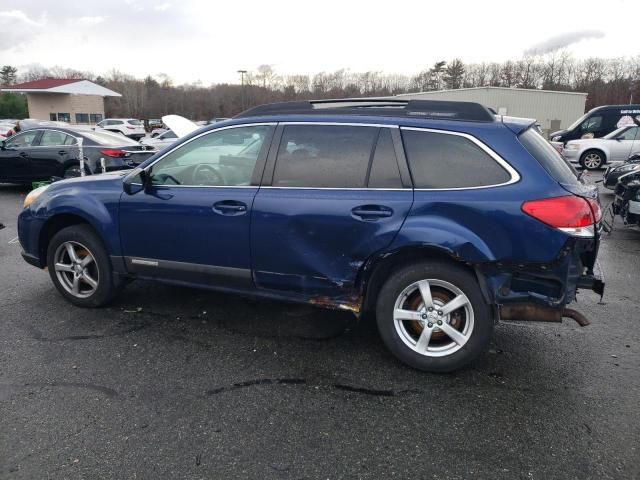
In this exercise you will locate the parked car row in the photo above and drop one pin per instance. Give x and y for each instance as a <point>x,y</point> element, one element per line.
<point>43,152</point>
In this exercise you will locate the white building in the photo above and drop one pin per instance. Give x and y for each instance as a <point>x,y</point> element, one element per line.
<point>553,110</point>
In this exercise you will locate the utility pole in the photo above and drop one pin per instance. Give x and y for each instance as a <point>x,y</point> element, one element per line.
<point>242,72</point>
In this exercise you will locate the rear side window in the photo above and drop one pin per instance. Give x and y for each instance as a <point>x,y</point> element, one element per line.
<point>324,156</point>
<point>443,161</point>
<point>561,170</point>
<point>134,122</point>
<point>384,169</point>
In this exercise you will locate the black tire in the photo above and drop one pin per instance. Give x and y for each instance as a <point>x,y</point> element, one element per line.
<point>84,236</point>
<point>588,158</point>
<point>72,171</point>
<point>476,315</point>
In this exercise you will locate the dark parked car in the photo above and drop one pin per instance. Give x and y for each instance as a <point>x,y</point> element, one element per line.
<point>45,152</point>
<point>612,174</point>
<point>437,217</point>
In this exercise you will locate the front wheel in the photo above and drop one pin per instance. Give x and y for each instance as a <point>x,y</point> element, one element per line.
<point>80,268</point>
<point>433,317</point>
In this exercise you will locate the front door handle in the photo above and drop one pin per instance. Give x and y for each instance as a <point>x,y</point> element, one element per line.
<point>24,154</point>
<point>230,207</point>
<point>371,212</point>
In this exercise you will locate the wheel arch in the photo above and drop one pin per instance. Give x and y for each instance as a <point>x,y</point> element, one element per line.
<point>52,226</point>
<point>601,150</point>
<point>378,269</point>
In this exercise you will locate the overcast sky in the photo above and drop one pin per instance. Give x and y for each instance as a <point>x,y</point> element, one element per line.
<point>209,41</point>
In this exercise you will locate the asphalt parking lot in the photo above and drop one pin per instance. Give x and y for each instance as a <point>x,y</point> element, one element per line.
<point>170,382</point>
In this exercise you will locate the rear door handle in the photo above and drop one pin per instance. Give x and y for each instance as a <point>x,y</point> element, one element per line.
<point>371,212</point>
<point>62,152</point>
<point>230,207</point>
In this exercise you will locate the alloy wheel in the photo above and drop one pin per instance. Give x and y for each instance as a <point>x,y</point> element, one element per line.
<point>592,161</point>
<point>433,318</point>
<point>76,269</point>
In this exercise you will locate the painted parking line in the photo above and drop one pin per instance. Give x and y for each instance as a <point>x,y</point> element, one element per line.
<point>13,240</point>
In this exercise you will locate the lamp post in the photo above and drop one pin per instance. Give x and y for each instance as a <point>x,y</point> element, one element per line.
<point>242,72</point>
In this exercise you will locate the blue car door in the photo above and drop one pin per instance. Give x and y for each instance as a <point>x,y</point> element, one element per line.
<point>192,222</point>
<point>333,196</point>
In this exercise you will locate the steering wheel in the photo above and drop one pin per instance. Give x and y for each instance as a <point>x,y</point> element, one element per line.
<point>205,174</point>
<point>165,176</point>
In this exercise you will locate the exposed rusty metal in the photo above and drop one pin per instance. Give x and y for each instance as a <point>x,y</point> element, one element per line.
<point>530,312</point>
<point>538,313</point>
<point>577,316</point>
<point>352,304</point>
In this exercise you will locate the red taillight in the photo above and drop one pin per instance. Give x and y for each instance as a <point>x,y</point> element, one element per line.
<point>573,215</point>
<point>112,152</point>
<point>595,209</point>
<point>131,128</point>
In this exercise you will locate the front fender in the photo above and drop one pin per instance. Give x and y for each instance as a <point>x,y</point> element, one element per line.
<point>99,209</point>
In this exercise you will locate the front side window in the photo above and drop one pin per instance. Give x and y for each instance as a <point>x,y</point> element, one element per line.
<point>591,124</point>
<point>224,157</point>
<point>22,140</point>
<point>51,138</point>
<point>446,161</point>
<point>324,156</point>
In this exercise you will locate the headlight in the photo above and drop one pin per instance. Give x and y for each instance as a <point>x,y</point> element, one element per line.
<point>572,146</point>
<point>33,194</point>
<point>556,138</point>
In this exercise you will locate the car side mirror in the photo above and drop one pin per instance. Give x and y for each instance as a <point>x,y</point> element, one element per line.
<point>135,182</point>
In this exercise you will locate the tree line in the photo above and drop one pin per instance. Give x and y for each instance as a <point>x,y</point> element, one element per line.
<point>605,80</point>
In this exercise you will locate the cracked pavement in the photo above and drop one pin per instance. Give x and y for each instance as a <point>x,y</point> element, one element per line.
<point>170,382</point>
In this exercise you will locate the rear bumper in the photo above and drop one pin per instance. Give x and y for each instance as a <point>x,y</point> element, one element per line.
<point>553,285</point>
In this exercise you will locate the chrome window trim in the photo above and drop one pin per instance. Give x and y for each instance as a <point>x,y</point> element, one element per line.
<point>515,176</point>
<point>44,130</point>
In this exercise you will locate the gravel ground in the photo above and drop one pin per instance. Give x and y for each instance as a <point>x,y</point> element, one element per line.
<point>177,383</point>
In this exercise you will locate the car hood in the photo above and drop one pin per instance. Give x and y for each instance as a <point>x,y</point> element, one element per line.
<point>180,125</point>
<point>589,142</point>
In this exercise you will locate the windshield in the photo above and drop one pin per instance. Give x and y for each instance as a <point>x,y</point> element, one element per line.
<point>577,122</point>
<point>103,138</point>
<point>616,132</point>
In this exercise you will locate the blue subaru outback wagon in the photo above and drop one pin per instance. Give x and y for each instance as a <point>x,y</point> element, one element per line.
<point>438,217</point>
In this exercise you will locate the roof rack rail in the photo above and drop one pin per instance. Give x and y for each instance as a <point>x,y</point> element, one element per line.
<point>388,107</point>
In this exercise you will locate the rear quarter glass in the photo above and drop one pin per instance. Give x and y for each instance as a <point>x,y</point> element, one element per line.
<point>540,149</point>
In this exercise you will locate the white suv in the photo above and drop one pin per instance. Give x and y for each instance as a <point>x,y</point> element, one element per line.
<point>129,127</point>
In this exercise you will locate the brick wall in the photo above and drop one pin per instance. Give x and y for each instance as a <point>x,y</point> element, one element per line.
<point>41,105</point>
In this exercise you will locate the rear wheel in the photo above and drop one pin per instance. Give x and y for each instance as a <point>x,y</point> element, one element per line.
<point>433,317</point>
<point>592,159</point>
<point>79,267</point>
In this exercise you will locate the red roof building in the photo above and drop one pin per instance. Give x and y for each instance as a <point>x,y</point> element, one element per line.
<point>76,101</point>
